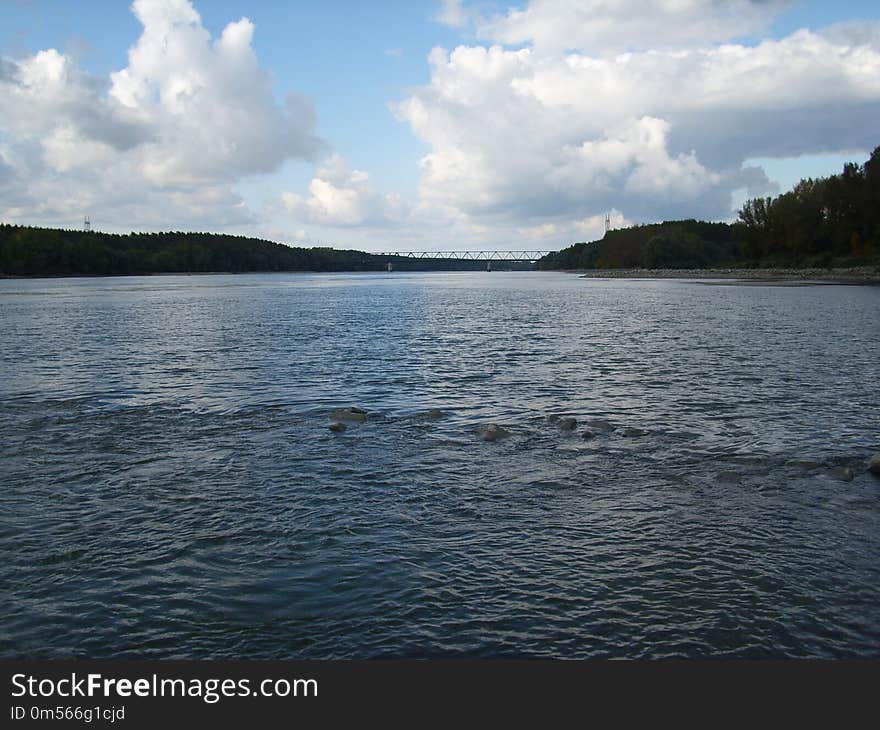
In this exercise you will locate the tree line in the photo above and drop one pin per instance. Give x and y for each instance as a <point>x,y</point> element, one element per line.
<point>831,221</point>
<point>32,251</point>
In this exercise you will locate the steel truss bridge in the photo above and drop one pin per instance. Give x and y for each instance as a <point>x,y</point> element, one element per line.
<point>469,255</point>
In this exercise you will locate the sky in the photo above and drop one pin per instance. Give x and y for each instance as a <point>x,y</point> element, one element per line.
<point>424,124</point>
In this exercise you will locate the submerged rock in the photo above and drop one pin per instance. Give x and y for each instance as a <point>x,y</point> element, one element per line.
<point>350,414</point>
<point>728,477</point>
<point>338,427</point>
<point>492,432</point>
<point>568,424</point>
<point>874,466</point>
<point>587,435</point>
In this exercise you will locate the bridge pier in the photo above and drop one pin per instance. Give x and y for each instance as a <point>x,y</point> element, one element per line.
<point>488,265</point>
<point>389,267</point>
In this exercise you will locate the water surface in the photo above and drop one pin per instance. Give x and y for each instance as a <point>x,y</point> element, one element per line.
<point>170,487</point>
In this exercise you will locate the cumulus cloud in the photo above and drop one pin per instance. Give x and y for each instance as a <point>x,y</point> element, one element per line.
<point>340,196</point>
<point>163,141</point>
<point>46,97</point>
<point>599,27</point>
<point>541,135</point>
<point>210,102</point>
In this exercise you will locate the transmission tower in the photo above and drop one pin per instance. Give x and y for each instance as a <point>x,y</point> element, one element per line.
<point>607,222</point>
<point>87,224</point>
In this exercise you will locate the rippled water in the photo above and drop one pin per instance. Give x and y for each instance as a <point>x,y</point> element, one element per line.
<point>170,487</point>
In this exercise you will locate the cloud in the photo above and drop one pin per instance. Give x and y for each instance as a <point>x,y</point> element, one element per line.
<point>339,196</point>
<point>540,135</point>
<point>46,94</point>
<point>160,143</point>
<point>452,14</point>
<point>210,102</point>
<point>537,232</point>
<point>599,27</point>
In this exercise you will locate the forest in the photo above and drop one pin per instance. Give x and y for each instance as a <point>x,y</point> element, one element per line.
<point>31,251</point>
<point>824,222</point>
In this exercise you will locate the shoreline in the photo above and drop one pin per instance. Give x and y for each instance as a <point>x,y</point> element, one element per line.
<point>854,275</point>
<point>869,275</point>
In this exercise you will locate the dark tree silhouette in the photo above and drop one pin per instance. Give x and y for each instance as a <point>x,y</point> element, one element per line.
<point>30,251</point>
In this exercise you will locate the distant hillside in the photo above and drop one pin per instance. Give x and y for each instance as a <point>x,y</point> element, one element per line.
<point>833,221</point>
<point>31,251</point>
<point>686,244</point>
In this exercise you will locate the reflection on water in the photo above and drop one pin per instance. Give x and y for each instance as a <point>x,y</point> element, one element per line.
<point>171,487</point>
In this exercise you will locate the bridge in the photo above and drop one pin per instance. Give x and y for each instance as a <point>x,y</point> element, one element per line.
<point>470,255</point>
<point>487,256</point>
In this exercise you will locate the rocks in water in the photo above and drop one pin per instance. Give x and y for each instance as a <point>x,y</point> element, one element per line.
<point>587,435</point>
<point>874,466</point>
<point>350,414</point>
<point>492,432</point>
<point>338,427</point>
<point>565,423</point>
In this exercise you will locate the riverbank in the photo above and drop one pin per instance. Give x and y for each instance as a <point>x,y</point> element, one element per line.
<point>854,275</point>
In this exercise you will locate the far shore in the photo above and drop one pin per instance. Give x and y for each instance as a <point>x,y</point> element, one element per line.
<point>855,275</point>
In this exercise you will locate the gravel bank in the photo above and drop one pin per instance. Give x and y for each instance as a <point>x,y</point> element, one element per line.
<point>858,275</point>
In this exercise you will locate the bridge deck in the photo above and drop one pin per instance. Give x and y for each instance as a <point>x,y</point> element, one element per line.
<point>470,255</point>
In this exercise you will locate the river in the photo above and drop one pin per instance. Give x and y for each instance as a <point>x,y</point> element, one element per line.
<point>171,489</point>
